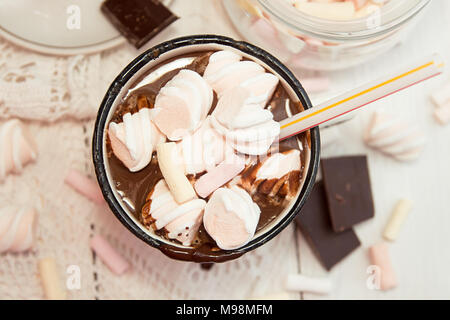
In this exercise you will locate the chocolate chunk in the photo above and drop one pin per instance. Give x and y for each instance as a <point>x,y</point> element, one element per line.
<point>138,20</point>
<point>314,223</point>
<point>347,186</point>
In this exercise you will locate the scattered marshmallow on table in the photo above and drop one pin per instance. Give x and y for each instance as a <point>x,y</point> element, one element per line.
<point>85,186</point>
<point>394,137</point>
<point>442,114</point>
<point>173,172</point>
<point>50,279</point>
<point>398,216</point>
<point>217,177</point>
<point>112,259</point>
<point>134,139</point>
<point>231,217</point>
<point>442,96</point>
<point>17,228</point>
<point>379,256</point>
<point>441,99</point>
<point>301,283</point>
<point>17,148</point>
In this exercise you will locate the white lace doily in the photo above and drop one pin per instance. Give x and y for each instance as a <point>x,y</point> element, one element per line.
<point>39,87</point>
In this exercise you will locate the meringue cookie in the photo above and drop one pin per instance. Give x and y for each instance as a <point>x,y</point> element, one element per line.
<point>226,71</point>
<point>277,175</point>
<point>17,228</point>
<point>248,128</point>
<point>180,221</point>
<point>204,149</point>
<point>231,217</point>
<point>17,148</point>
<point>394,137</point>
<point>134,140</point>
<point>182,104</point>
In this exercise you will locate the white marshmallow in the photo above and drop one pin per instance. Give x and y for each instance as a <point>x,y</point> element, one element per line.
<point>17,227</point>
<point>231,217</point>
<point>398,217</point>
<point>249,128</point>
<point>182,104</point>
<point>394,137</point>
<point>278,165</point>
<point>204,149</point>
<point>180,221</point>
<point>133,140</point>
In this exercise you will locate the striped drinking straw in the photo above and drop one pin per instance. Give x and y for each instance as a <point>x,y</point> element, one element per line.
<point>361,96</point>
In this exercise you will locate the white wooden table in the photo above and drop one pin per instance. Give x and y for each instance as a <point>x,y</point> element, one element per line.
<point>420,256</point>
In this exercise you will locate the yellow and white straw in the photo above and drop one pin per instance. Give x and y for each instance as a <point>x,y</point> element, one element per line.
<point>405,77</point>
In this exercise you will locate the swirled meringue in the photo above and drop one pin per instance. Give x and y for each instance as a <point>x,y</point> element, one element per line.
<point>204,149</point>
<point>181,221</point>
<point>16,229</point>
<point>182,104</point>
<point>248,128</point>
<point>134,139</point>
<point>394,137</point>
<point>231,217</point>
<point>17,148</point>
<point>226,71</point>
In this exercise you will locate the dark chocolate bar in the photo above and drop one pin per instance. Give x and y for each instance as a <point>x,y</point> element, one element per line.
<point>314,222</point>
<point>138,20</point>
<point>347,187</point>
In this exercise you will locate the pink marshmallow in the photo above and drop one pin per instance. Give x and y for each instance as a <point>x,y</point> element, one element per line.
<point>379,256</point>
<point>315,84</point>
<point>113,260</point>
<point>84,186</point>
<point>218,176</point>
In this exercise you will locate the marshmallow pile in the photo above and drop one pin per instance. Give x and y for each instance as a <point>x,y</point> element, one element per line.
<point>199,151</point>
<point>17,148</point>
<point>338,9</point>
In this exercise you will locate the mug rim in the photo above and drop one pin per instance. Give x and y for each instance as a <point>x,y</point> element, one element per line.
<point>140,62</point>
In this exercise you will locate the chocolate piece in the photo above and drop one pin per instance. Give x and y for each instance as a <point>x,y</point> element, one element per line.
<point>138,20</point>
<point>314,223</point>
<point>347,186</point>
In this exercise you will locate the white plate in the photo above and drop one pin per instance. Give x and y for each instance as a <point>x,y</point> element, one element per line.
<point>50,26</point>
